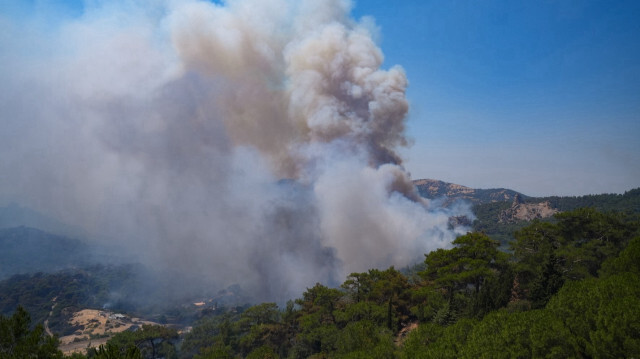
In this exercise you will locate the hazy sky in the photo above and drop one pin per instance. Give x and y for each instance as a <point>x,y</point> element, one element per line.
<point>539,96</point>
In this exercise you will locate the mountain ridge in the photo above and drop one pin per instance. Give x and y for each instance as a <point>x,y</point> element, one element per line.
<point>501,212</point>
<point>433,189</point>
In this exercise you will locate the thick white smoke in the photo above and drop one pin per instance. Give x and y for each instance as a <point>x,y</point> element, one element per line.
<point>252,141</point>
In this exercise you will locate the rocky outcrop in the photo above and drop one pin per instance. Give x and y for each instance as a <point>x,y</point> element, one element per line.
<point>432,189</point>
<point>521,211</point>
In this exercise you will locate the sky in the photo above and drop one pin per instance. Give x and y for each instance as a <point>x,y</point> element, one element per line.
<point>542,97</point>
<point>538,96</point>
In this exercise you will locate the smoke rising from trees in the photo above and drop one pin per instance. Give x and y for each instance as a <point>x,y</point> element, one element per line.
<point>248,142</point>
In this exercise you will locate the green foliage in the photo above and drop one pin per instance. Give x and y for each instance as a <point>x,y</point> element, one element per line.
<point>472,260</point>
<point>17,340</point>
<point>259,327</point>
<point>217,351</point>
<point>496,291</point>
<point>420,342</point>
<point>518,335</point>
<point>487,221</point>
<point>362,311</point>
<point>474,275</point>
<point>560,331</point>
<point>628,202</point>
<point>152,341</point>
<point>112,351</point>
<point>532,246</point>
<point>364,339</point>
<point>487,214</point>
<point>207,332</point>
<point>573,248</point>
<point>256,327</point>
<point>627,261</point>
<point>548,282</point>
<point>602,314</point>
<point>261,314</point>
<point>426,302</point>
<point>589,237</point>
<point>591,317</point>
<point>263,352</point>
<point>451,340</point>
<point>380,289</point>
<point>317,331</point>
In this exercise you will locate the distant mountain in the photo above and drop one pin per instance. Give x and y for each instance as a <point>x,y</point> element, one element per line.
<point>505,198</point>
<point>15,215</point>
<point>29,250</point>
<point>433,189</point>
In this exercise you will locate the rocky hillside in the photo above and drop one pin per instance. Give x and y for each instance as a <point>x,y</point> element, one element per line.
<point>432,189</point>
<point>521,211</point>
<point>500,212</point>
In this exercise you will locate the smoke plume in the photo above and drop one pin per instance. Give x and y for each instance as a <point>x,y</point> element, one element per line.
<point>248,142</point>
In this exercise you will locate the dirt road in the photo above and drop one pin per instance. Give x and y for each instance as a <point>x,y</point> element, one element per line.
<point>46,322</point>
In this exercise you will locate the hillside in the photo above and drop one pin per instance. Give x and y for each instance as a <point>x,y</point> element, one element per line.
<point>432,189</point>
<point>15,215</point>
<point>501,212</point>
<point>503,198</point>
<point>521,211</point>
<point>555,299</point>
<point>127,288</point>
<point>30,250</point>
<point>573,279</point>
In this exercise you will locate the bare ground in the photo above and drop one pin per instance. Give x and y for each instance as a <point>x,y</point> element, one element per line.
<point>99,324</point>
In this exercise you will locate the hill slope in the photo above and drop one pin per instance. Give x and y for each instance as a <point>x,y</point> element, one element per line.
<point>29,250</point>
<point>15,215</point>
<point>500,212</point>
<point>432,189</point>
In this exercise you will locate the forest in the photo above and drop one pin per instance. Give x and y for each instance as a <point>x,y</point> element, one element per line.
<point>569,287</point>
<point>487,212</point>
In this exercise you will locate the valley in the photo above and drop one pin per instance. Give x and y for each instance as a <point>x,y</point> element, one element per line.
<point>70,298</point>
